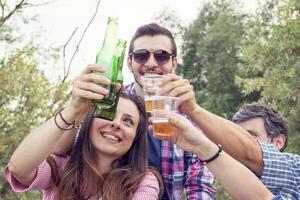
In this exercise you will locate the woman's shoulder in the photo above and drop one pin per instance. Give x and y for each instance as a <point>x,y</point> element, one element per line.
<point>149,187</point>
<point>153,178</point>
<point>150,176</point>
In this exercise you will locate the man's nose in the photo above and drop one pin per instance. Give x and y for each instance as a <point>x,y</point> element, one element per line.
<point>151,62</point>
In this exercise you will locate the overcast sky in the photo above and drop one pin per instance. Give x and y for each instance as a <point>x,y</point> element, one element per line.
<point>59,18</point>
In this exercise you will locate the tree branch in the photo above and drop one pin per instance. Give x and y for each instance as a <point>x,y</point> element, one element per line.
<point>41,4</point>
<point>19,6</point>
<point>78,44</point>
<point>64,50</point>
<point>2,4</point>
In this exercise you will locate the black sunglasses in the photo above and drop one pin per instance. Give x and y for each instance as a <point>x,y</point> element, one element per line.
<point>141,56</point>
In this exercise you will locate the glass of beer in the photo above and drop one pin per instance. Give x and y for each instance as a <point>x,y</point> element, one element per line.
<point>161,126</point>
<point>151,86</point>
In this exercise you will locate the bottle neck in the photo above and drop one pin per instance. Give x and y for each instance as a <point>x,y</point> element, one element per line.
<point>108,47</point>
<point>110,36</point>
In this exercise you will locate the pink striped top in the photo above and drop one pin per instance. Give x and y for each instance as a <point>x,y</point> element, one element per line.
<point>148,188</point>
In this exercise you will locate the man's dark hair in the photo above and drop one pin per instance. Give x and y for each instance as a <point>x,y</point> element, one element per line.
<point>153,29</point>
<point>273,122</point>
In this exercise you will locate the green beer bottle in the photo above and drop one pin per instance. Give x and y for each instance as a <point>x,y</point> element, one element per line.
<point>121,60</point>
<point>104,58</point>
<point>118,59</point>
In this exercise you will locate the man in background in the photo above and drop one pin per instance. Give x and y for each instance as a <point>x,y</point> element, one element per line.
<point>257,140</point>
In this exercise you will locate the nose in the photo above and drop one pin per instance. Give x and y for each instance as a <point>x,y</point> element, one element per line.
<point>151,62</point>
<point>115,125</point>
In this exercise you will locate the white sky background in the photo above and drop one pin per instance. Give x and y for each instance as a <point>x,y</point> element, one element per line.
<point>58,19</point>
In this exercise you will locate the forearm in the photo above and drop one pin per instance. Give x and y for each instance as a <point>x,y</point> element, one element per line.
<point>65,142</point>
<point>67,139</point>
<point>37,145</point>
<point>235,140</point>
<point>232,174</point>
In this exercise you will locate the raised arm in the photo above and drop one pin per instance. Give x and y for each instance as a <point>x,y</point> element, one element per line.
<point>237,142</point>
<point>38,144</point>
<point>65,143</point>
<point>228,171</point>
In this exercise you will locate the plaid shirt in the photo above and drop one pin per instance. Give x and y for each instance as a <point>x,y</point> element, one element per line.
<point>281,172</point>
<point>182,170</point>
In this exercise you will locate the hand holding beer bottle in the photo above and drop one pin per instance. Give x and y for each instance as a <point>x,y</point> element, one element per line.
<point>110,57</point>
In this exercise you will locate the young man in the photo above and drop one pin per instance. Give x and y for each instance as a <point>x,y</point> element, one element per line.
<point>153,50</point>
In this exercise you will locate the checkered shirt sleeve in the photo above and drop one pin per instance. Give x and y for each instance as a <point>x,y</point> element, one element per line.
<point>281,173</point>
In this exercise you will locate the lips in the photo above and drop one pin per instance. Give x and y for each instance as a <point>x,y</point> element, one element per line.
<point>111,137</point>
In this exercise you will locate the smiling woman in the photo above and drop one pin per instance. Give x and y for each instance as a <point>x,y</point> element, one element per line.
<point>108,161</point>
<point>111,150</point>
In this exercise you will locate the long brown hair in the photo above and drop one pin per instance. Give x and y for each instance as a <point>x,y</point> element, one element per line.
<point>127,171</point>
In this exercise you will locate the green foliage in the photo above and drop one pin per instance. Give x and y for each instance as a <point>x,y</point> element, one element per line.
<point>27,97</point>
<point>272,64</point>
<point>221,193</point>
<point>210,56</point>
